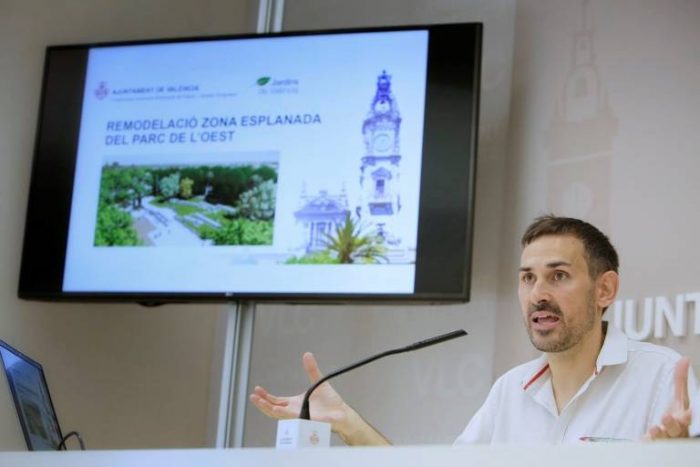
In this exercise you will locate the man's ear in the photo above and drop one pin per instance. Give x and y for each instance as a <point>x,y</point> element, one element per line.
<point>607,286</point>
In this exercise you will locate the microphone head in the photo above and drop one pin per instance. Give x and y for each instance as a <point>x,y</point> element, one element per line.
<point>437,339</point>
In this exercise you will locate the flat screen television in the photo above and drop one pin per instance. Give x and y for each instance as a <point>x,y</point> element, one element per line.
<point>332,165</point>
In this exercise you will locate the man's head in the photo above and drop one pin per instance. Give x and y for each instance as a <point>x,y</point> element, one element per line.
<point>600,254</point>
<point>568,278</point>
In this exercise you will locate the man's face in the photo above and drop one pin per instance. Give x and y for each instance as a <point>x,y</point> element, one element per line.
<point>557,295</point>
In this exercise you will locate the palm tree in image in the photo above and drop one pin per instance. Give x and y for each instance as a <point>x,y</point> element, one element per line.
<point>351,245</point>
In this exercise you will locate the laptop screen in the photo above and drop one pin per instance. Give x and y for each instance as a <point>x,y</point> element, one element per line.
<point>32,400</point>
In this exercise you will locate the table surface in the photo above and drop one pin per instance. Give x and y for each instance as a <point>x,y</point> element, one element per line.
<point>670,453</point>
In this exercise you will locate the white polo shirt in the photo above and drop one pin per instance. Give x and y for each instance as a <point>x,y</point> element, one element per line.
<point>630,390</point>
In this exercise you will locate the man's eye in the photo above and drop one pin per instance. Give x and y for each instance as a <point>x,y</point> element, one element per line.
<point>527,278</point>
<point>560,275</point>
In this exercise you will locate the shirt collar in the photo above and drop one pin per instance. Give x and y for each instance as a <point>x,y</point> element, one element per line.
<point>613,352</point>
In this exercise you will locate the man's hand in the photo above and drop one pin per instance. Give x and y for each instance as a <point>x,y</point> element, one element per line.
<point>325,405</point>
<point>676,420</point>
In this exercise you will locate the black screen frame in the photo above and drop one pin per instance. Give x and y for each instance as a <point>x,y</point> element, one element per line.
<point>445,227</point>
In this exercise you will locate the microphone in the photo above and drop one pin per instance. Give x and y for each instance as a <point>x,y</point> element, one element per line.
<point>305,413</point>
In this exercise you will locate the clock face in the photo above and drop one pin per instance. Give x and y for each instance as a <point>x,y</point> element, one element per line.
<point>381,142</point>
<point>382,106</point>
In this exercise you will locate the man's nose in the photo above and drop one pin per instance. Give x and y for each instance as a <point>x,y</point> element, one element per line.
<point>541,292</point>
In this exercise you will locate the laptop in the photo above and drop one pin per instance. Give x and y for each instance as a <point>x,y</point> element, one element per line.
<point>32,400</point>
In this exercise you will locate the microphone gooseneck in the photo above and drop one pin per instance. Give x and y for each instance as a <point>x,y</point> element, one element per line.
<point>305,412</point>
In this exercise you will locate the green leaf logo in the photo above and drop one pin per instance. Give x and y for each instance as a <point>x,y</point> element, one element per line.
<point>262,81</point>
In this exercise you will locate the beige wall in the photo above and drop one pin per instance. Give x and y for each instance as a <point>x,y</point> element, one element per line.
<point>123,375</point>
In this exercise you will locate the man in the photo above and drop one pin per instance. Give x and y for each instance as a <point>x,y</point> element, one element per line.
<point>591,383</point>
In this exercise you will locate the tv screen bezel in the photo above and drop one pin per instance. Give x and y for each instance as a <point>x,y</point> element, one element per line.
<point>449,132</point>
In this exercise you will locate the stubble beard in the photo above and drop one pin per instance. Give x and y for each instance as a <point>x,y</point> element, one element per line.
<point>570,336</point>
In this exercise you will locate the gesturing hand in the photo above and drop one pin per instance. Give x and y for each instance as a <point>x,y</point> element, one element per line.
<point>325,403</point>
<point>675,422</point>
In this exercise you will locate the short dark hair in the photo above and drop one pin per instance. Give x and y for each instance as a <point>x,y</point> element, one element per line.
<point>600,254</point>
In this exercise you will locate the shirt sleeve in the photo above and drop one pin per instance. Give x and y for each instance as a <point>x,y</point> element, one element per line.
<point>480,428</point>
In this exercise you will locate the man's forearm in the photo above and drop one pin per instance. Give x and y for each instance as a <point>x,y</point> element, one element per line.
<point>355,431</point>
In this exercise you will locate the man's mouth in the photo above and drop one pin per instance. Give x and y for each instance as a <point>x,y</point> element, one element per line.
<point>544,320</point>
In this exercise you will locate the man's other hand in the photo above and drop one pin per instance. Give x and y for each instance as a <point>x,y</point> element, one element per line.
<point>676,420</point>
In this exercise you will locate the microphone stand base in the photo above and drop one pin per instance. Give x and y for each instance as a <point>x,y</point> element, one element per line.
<point>297,434</point>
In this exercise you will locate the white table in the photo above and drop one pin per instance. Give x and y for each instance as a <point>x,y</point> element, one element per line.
<point>659,454</point>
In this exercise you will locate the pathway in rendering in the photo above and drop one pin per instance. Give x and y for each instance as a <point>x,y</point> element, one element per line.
<point>165,230</point>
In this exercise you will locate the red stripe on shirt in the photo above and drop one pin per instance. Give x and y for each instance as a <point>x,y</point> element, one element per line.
<point>536,377</point>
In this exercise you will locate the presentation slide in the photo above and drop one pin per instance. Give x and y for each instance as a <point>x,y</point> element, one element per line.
<point>261,165</point>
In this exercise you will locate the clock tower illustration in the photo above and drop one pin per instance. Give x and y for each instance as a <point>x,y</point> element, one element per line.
<point>380,176</point>
<point>377,191</point>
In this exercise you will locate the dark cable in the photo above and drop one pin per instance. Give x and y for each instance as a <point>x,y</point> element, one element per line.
<point>62,444</point>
